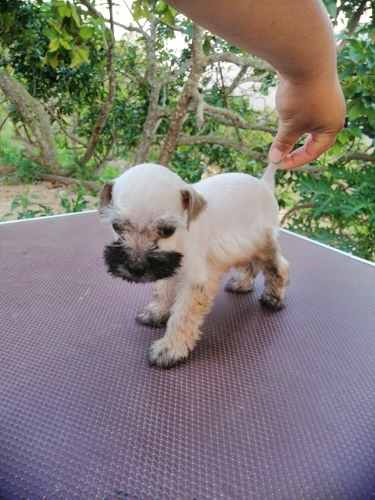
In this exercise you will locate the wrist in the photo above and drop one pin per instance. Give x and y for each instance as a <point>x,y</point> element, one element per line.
<point>311,77</point>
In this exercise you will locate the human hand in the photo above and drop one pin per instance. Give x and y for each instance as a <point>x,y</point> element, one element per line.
<point>316,107</point>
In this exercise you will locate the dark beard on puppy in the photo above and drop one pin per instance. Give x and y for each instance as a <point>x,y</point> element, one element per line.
<point>156,265</point>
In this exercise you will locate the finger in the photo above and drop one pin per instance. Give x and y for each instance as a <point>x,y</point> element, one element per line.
<point>283,143</point>
<point>315,145</point>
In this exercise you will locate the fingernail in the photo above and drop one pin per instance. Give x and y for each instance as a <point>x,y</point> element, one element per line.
<point>275,156</point>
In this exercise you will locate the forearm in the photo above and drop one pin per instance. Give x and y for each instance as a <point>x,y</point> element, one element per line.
<point>295,36</point>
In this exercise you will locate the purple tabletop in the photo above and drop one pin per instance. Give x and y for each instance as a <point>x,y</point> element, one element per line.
<point>270,405</point>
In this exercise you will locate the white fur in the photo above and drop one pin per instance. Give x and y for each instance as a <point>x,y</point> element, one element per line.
<point>240,218</point>
<point>239,210</point>
<point>144,192</point>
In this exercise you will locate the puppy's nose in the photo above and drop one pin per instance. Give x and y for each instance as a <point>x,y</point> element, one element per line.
<point>137,269</point>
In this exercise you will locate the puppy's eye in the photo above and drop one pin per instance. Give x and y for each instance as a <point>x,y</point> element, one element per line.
<point>166,231</point>
<point>117,227</point>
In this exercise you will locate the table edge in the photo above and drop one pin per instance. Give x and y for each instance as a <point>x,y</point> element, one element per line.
<point>286,231</point>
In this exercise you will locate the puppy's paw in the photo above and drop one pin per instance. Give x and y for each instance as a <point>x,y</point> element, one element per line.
<point>237,285</point>
<point>271,301</point>
<point>152,317</point>
<point>166,354</point>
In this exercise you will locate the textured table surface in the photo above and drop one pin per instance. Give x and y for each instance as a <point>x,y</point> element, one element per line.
<point>270,406</point>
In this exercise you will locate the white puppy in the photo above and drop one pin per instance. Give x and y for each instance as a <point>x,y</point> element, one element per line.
<point>184,238</point>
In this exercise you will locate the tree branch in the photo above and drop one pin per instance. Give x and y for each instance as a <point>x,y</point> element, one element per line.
<point>34,116</point>
<point>124,26</point>
<point>296,208</point>
<point>353,23</point>
<point>91,9</point>
<point>107,105</point>
<point>229,117</point>
<point>237,79</point>
<point>185,139</point>
<point>152,118</point>
<point>95,13</point>
<point>60,120</point>
<point>69,181</point>
<point>225,99</point>
<point>200,105</point>
<point>150,40</point>
<point>198,65</point>
<point>174,28</point>
<point>240,60</point>
<point>140,27</point>
<point>7,169</point>
<point>154,111</point>
<point>5,120</point>
<point>357,156</point>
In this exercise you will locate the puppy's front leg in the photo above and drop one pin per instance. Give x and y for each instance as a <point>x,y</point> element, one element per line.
<point>157,312</point>
<point>193,302</point>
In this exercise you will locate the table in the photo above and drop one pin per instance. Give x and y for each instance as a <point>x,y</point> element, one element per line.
<point>270,406</point>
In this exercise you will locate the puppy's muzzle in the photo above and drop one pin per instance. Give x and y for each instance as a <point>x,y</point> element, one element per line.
<point>153,266</point>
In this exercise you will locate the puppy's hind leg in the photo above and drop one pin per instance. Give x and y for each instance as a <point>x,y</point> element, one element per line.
<point>242,280</point>
<point>157,312</point>
<point>193,302</point>
<point>276,271</point>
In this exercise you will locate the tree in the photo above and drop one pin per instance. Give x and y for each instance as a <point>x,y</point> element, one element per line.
<point>336,197</point>
<point>79,98</point>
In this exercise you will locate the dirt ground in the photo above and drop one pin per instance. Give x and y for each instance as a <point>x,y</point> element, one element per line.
<point>45,193</point>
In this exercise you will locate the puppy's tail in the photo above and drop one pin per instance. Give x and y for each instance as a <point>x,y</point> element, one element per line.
<point>269,176</point>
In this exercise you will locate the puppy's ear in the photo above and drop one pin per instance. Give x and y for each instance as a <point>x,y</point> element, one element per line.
<point>105,198</point>
<point>193,203</point>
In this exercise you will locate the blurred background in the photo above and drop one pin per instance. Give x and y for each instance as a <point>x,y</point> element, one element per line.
<point>88,89</point>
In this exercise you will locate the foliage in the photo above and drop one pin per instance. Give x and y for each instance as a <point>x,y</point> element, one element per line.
<point>343,212</point>
<point>142,9</point>
<point>109,173</point>
<point>26,207</point>
<point>76,204</point>
<point>59,51</point>
<point>11,155</point>
<point>357,71</point>
<point>341,192</point>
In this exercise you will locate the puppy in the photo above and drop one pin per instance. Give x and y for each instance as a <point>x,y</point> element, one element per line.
<point>184,238</point>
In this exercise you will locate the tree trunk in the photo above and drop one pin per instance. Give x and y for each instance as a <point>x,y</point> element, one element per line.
<point>35,117</point>
<point>149,126</point>
<point>198,64</point>
<point>107,105</point>
<point>353,23</point>
<point>152,76</point>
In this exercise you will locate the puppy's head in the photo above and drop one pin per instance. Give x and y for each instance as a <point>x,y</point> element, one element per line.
<point>150,209</point>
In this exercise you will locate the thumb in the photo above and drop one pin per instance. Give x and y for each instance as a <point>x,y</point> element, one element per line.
<point>283,143</point>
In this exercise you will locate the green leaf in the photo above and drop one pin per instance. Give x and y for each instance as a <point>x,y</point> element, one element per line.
<point>79,55</point>
<point>53,60</point>
<point>356,110</point>
<point>75,16</point>
<point>207,45</point>
<point>331,7</point>
<point>86,32</point>
<point>64,43</point>
<point>46,209</point>
<point>6,21</point>
<point>64,10</point>
<point>140,10</point>
<point>168,16</point>
<point>65,203</point>
<point>15,204</point>
<point>54,45</point>
<point>55,26</point>
<point>161,7</point>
